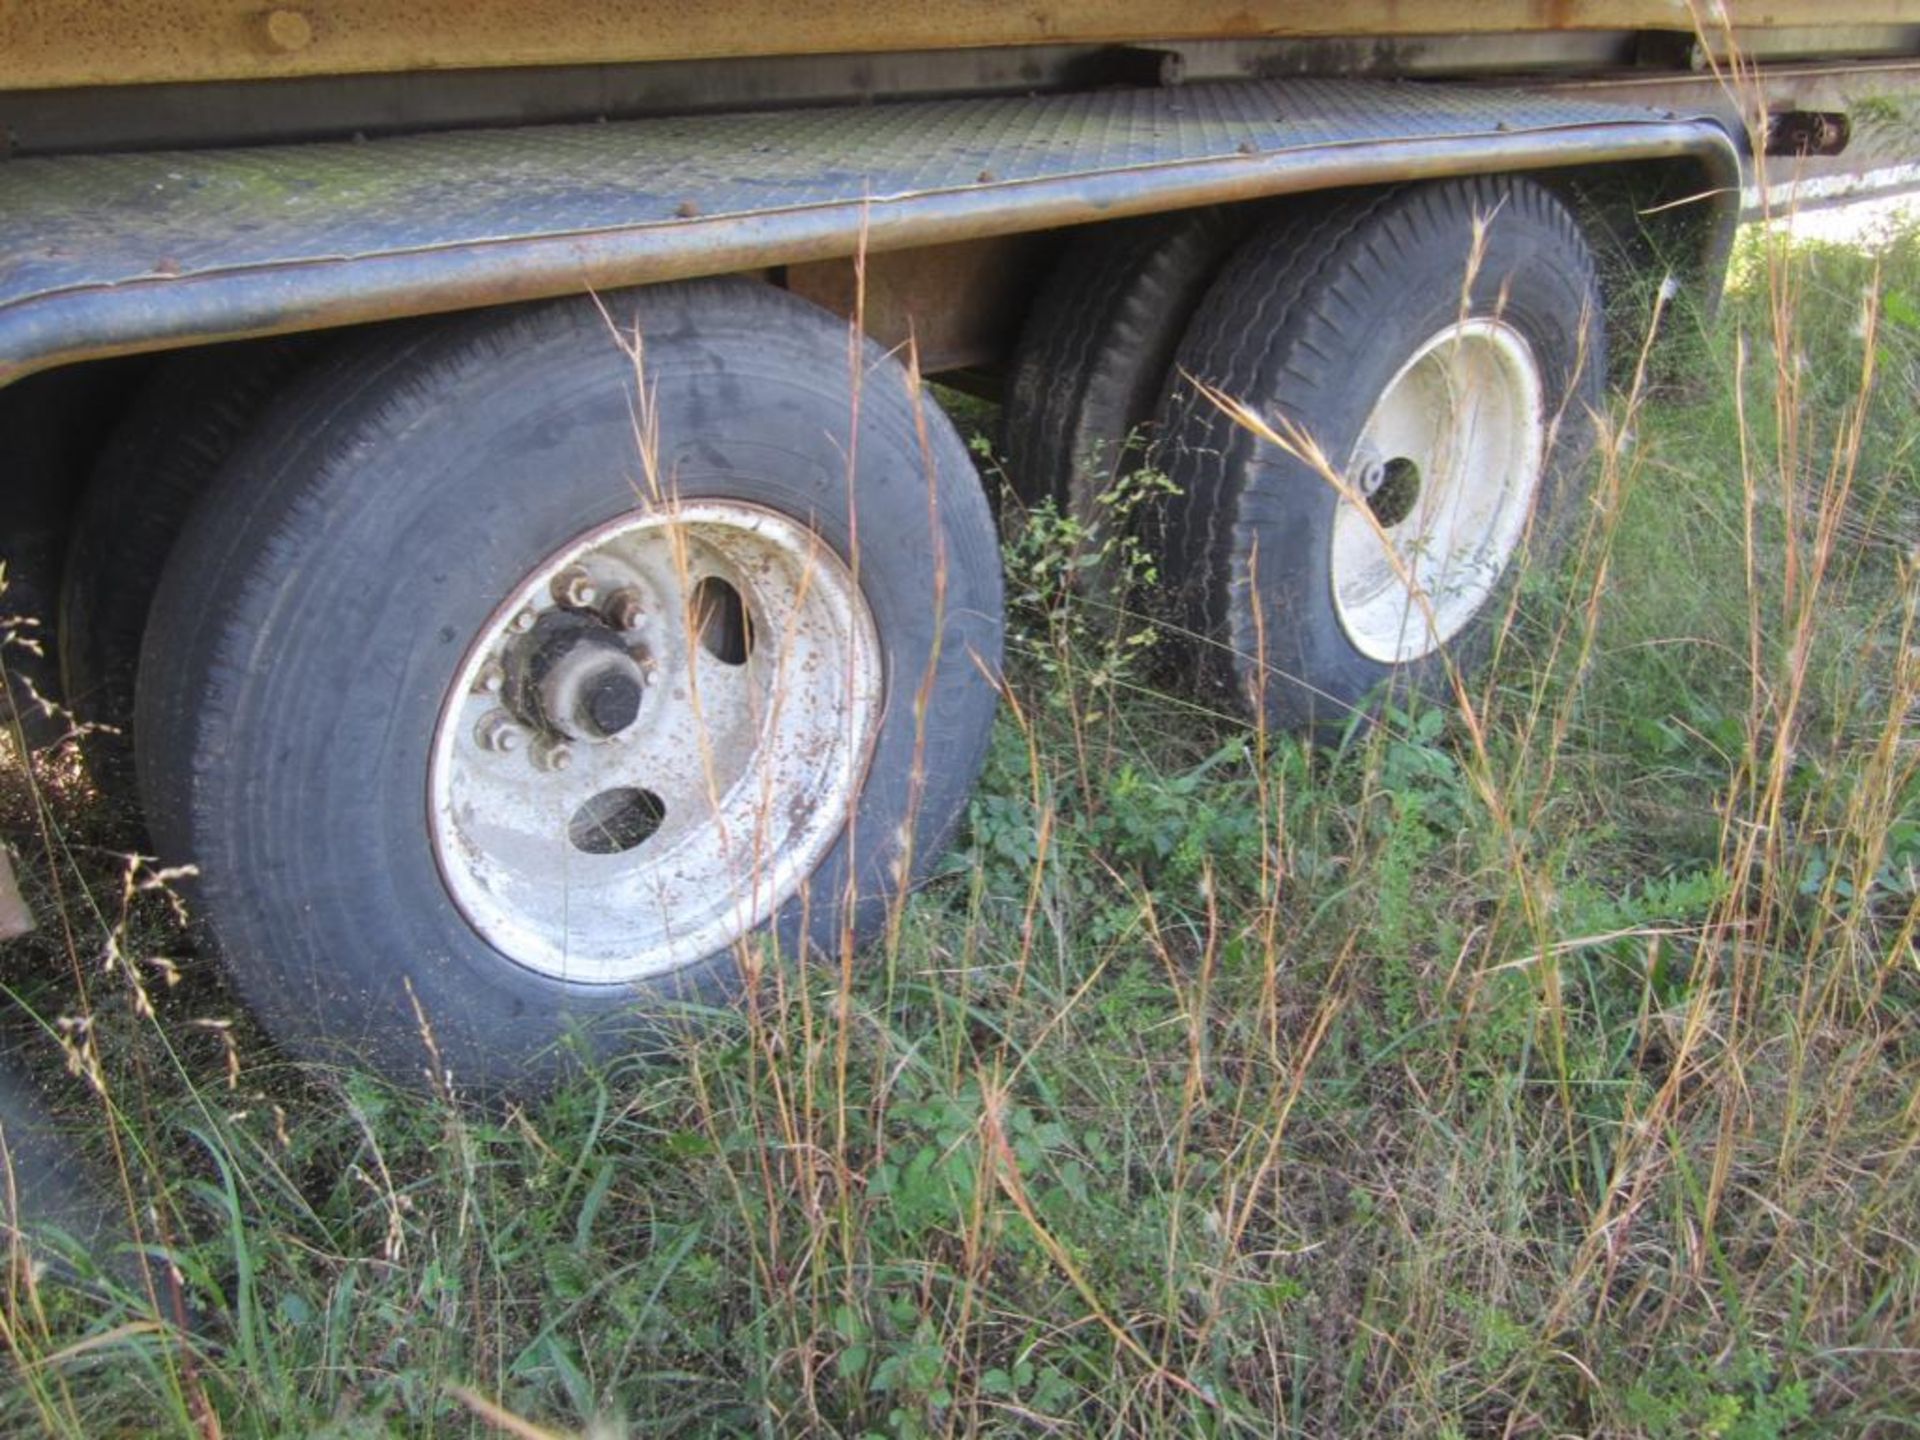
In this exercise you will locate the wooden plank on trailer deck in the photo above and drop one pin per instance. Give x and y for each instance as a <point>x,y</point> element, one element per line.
<point>49,43</point>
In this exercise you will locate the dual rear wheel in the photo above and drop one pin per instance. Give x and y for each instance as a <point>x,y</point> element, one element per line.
<point>501,682</point>
<point>1415,373</point>
<point>520,679</point>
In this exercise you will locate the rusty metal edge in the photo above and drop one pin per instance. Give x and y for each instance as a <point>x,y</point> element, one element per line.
<point>81,42</point>
<point>156,313</point>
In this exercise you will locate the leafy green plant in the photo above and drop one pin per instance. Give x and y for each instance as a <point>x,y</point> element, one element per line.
<point>1540,1065</point>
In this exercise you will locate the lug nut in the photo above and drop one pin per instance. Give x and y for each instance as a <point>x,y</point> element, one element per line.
<point>574,587</point>
<point>625,609</point>
<point>492,678</point>
<point>554,755</point>
<point>524,621</point>
<point>497,732</point>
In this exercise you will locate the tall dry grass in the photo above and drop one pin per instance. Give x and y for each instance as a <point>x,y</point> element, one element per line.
<point>1542,1064</point>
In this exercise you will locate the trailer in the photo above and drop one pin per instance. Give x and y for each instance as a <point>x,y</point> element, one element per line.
<point>474,459</point>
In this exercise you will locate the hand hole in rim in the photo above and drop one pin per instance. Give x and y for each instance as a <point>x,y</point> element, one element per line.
<point>720,619</point>
<point>1393,498</point>
<point>617,820</point>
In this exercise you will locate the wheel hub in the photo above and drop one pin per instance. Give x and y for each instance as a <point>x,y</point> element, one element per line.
<point>577,677</point>
<point>1445,474</point>
<point>654,741</point>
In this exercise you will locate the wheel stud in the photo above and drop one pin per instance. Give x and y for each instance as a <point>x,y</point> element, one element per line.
<point>625,609</point>
<point>574,587</point>
<point>498,732</point>
<point>554,755</point>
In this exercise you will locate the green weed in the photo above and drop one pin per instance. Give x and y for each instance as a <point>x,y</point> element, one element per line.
<point>1546,1065</point>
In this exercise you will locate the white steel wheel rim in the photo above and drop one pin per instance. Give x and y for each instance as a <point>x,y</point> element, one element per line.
<point>611,858</point>
<point>1440,487</point>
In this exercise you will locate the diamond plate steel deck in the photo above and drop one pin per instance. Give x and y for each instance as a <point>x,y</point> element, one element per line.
<point>114,253</point>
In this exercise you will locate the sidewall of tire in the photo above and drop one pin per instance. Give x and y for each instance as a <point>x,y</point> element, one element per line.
<point>1093,356</point>
<point>162,454</point>
<point>352,565</point>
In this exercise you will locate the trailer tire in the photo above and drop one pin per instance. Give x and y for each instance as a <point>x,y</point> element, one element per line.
<point>1465,426</point>
<point>162,455</point>
<point>322,730</point>
<point>1092,359</point>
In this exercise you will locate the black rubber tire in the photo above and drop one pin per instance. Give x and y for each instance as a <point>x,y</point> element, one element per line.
<point>1309,322</point>
<point>321,598</point>
<point>1092,361</point>
<point>50,436</point>
<point>160,458</point>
